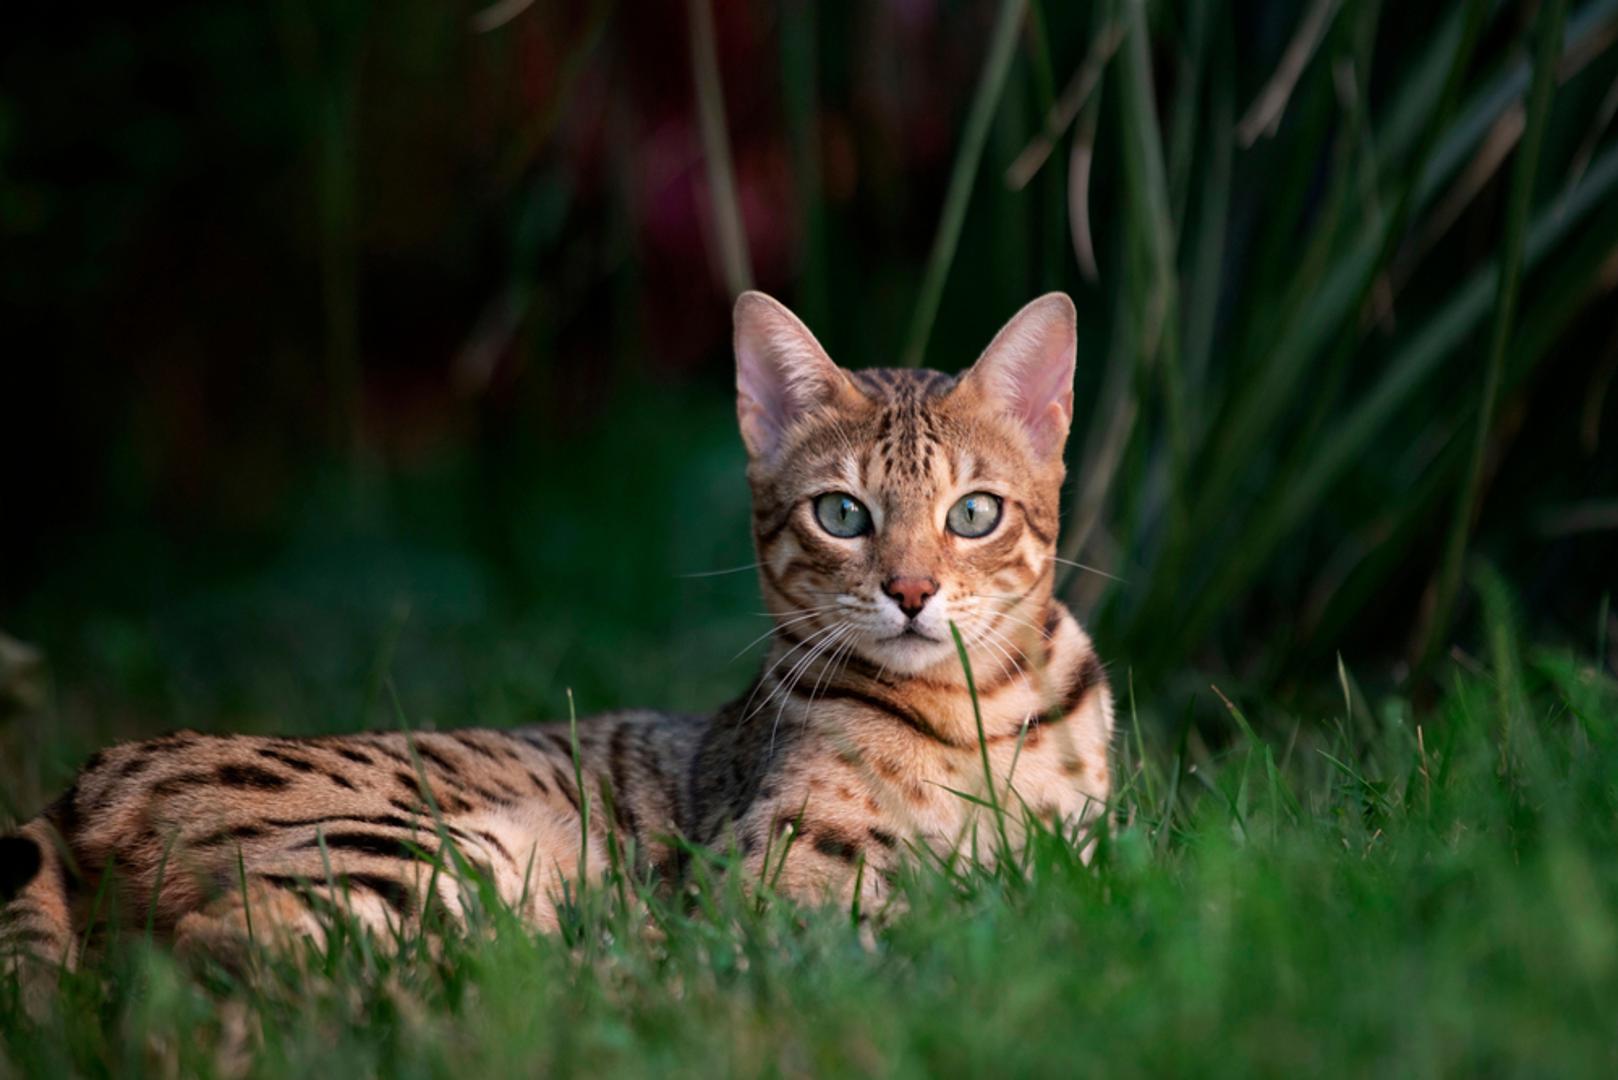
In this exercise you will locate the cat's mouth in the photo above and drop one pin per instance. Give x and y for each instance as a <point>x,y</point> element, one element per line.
<point>910,633</point>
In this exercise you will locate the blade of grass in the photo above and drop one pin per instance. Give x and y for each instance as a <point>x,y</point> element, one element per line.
<point>1405,117</point>
<point>1232,807</point>
<point>1147,773</point>
<point>1187,109</point>
<point>157,883</point>
<point>1291,167</point>
<point>1059,116</point>
<point>584,793</point>
<point>983,742</point>
<point>1080,163</point>
<point>1112,424</point>
<point>791,832</point>
<point>247,897</point>
<point>1009,215</point>
<point>1052,225</point>
<point>1264,116</point>
<point>1351,73</point>
<point>799,57</point>
<point>1171,802</point>
<point>1366,786</point>
<point>1551,17</point>
<point>733,255</point>
<point>498,14</point>
<point>1281,796</point>
<point>463,868</point>
<point>1149,219</point>
<point>1207,244</point>
<point>1002,47</point>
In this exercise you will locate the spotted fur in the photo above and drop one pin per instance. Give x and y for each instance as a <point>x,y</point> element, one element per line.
<point>857,745</point>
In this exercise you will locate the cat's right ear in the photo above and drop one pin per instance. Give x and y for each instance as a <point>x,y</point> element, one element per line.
<point>782,373</point>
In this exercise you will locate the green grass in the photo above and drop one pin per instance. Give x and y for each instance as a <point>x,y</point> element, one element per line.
<point>1377,887</point>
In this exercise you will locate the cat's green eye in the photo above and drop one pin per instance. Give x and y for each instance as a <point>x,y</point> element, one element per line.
<point>974,515</point>
<point>842,515</point>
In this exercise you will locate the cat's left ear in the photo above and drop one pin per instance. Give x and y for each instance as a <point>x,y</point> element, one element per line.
<point>1027,371</point>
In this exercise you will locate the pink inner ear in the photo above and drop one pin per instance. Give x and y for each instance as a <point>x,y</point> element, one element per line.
<point>1028,368</point>
<point>763,390</point>
<point>1045,379</point>
<point>781,372</point>
<point>1049,430</point>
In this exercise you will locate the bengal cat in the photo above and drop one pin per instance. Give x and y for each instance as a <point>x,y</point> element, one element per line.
<point>887,505</point>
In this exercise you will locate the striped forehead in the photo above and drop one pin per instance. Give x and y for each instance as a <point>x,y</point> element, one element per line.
<point>907,439</point>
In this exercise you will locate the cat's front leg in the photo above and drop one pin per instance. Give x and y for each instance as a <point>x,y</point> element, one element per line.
<point>814,861</point>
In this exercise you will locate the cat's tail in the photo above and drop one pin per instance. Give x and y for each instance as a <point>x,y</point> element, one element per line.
<point>36,917</point>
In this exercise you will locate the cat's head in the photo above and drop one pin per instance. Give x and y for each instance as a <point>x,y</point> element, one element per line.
<point>889,503</point>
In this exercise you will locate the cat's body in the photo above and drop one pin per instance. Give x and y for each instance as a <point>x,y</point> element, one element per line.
<point>889,506</point>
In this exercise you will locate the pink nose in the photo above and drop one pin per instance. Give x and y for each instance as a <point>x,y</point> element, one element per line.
<point>911,593</point>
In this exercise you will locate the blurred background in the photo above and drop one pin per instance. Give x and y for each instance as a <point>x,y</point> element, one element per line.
<point>368,363</point>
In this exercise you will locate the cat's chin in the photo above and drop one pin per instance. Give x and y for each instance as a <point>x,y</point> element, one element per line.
<point>911,653</point>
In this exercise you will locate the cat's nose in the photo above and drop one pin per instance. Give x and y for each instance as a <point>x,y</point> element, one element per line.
<point>911,593</point>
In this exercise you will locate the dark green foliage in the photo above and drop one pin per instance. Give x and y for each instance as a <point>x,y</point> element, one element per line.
<point>373,248</point>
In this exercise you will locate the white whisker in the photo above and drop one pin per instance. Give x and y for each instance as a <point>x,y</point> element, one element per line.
<point>762,679</point>
<point>798,665</point>
<point>1007,648</point>
<point>1005,657</point>
<point>1020,621</point>
<point>1028,661</point>
<point>785,687</point>
<point>777,628</point>
<point>719,573</point>
<point>827,676</point>
<point>1082,566</point>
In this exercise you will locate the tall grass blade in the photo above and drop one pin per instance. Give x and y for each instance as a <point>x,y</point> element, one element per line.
<point>584,792</point>
<point>983,742</point>
<point>799,57</point>
<point>733,255</point>
<point>1052,261</point>
<point>1061,112</point>
<point>1150,224</point>
<point>1204,268</point>
<point>1189,88</point>
<point>1551,17</point>
<point>1263,117</point>
<point>1002,47</point>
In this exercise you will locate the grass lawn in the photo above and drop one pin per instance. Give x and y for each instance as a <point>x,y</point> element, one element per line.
<point>1378,887</point>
